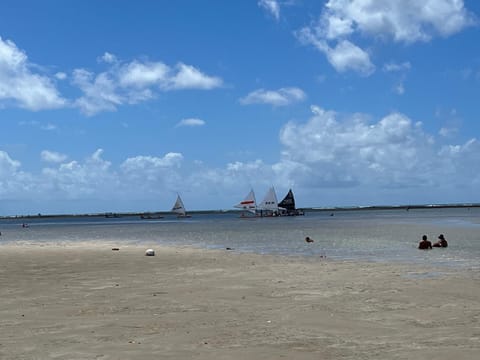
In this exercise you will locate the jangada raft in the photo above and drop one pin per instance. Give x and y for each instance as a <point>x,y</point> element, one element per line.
<point>288,204</point>
<point>269,206</point>
<point>179,209</point>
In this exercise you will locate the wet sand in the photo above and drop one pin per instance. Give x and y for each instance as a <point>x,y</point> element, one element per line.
<point>85,302</point>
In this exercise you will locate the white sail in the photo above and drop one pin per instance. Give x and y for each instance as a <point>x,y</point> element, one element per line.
<point>270,201</point>
<point>178,207</point>
<point>249,203</point>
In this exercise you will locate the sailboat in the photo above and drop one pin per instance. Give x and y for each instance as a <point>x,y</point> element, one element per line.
<point>288,204</point>
<point>269,205</point>
<point>248,204</point>
<point>179,209</point>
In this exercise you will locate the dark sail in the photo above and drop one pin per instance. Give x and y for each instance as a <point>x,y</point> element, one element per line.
<point>288,203</point>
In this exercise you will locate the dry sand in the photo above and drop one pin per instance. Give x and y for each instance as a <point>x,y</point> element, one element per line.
<point>83,302</point>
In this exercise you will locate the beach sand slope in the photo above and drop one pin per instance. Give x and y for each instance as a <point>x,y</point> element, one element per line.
<point>85,302</point>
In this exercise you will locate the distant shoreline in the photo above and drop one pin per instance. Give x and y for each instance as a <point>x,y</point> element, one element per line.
<point>193,212</point>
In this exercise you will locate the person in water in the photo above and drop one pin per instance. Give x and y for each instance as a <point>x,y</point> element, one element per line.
<point>424,244</point>
<point>442,242</point>
<point>308,239</point>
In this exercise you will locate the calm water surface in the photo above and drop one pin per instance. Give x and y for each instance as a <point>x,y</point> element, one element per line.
<point>372,235</point>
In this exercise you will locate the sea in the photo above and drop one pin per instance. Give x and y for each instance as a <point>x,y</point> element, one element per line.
<point>385,235</point>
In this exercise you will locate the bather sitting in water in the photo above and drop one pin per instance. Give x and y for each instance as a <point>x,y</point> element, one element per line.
<point>424,244</point>
<point>442,242</point>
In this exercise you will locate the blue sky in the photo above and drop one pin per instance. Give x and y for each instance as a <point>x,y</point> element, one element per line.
<point>118,105</point>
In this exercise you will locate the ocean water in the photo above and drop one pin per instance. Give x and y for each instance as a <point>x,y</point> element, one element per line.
<point>367,235</point>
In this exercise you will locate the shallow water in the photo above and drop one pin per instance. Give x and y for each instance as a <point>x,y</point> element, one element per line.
<point>371,235</point>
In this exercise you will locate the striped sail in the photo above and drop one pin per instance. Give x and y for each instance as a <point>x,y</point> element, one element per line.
<point>249,203</point>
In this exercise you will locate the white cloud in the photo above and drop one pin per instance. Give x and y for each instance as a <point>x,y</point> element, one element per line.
<point>7,164</point>
<point>100,92</point>
<point>20,86</point>
<point>393,154</point>
<point>272,7</point>
<point>150,162</point>
<point>122,83</point>
<point>135,82</point>
<point>61,75</point>
<point>406,21</point>
<point>191,122</point>
<point>92,178</point>
<point>52,156</point>
<point>343,57</point>
<point>280,97</point>
<point>108,58</point>
<point>14,184</point>
<point>402,20</point>
<point>139,75</point>
<point>161,173</point>
<point>347,56</point>
<point>393,151</point>
<point>188,77</point>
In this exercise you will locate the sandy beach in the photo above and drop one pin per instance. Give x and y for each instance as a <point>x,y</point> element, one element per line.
<point>91,302</point>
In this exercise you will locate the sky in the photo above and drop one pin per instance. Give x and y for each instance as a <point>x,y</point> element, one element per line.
<point>118,105</point>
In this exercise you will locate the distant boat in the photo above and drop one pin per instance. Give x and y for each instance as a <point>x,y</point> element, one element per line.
<point>150,216</point>
<point>111,215</point>
<point>269,205</point>
<point>288,204</point>
<point>248,204</point>
<point>179,209</point>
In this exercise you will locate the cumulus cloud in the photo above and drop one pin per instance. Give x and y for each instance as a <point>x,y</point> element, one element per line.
<point>405,21</point>
<point>92,177</point>
<point>21,86</point>
<point>393,152</point>
<point>280,97</point>
<point>7,164</point>
<point>52,156</point>
<point>272,7</point>
<point>135,82</point>
<point>136,163</point>
<point>108,58</point>
<point>141,75</point>
<point>122,83</point>
<point>402,20</point>
<point>347,56</point>
<point>344,56</point>
<point>14,183</point>
<point>191,122</point>
<point>188,77</point>
<point>100,92</point>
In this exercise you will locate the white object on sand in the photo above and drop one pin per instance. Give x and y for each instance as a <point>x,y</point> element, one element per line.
<point>150,252</point>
